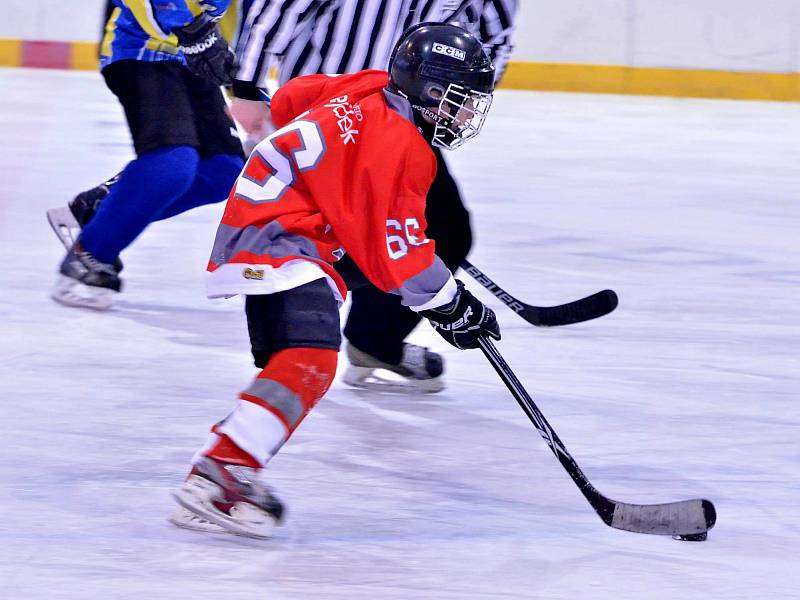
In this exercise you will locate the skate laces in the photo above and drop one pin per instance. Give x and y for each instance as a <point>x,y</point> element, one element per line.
<point>239,479</point>
<point>245,479</point>
<point>94,264</point>
<point>250,488</point>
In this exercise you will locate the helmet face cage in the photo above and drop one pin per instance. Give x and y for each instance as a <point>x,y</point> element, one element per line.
<point>462,113</point>
<point>448,78</point>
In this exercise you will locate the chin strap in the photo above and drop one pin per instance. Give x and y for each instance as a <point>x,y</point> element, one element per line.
<point>425,128</point>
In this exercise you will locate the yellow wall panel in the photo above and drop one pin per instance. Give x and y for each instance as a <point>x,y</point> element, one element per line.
<point>10,53</point>
<point>650,81</point>
<point>83,56</point>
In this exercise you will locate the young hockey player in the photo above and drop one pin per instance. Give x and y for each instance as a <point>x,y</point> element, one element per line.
<point>348,170</point>
<point>283,39</point>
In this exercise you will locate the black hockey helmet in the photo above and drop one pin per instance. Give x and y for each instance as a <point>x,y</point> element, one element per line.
<point>448,78</point>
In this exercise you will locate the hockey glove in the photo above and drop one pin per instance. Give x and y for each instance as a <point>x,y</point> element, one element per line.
<point>205,50</point>
<point>464,319</point>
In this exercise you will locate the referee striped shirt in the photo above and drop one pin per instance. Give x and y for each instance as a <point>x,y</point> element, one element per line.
<point>287,38</point>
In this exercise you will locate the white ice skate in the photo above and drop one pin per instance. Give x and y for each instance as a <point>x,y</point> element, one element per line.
<point>186,519</point>
<point>230,496</point>
<point>420,370</point>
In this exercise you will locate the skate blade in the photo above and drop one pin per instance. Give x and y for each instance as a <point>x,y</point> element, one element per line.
<point>371,378</point>
<point>64,225</point>
<point>186,519</point>
<point>69,292</point>
<point>198,494</point>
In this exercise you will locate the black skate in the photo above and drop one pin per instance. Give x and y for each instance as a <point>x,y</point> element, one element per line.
<point>86,282</point>
<point>68,221</point>
<point>419,370</point>
<point>84,205</point>
<point>231,496</point>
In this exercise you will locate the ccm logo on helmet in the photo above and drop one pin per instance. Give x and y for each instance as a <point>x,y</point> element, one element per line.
<point>449,51</point>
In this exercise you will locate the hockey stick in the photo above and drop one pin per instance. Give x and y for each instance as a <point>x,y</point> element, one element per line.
<point>687,519</point>
<point>584,309</point>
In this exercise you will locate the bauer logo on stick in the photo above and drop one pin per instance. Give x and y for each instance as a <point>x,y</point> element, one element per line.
<point>440,48</point>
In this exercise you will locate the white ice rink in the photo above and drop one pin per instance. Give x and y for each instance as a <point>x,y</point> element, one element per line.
<point>689,209</point>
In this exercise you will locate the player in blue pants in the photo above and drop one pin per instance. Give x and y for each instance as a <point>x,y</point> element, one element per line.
<point>165,62</point>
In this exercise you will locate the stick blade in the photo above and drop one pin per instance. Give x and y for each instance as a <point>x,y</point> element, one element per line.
<point>585,309</point>
<point>688,517</point>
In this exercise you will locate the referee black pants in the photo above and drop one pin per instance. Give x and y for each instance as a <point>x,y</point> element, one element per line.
<point>378,323</point>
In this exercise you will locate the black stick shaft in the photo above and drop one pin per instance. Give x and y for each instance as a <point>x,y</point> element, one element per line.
<point>542,426</point>
<point>682,518</point>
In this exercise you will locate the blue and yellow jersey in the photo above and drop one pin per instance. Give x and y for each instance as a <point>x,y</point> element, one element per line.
<point>142,29</point>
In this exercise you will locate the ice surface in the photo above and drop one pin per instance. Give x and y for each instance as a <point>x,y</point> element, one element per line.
<point>688,208</point>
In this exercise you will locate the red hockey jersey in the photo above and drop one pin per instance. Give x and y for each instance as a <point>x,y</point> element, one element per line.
<point>347,171</point>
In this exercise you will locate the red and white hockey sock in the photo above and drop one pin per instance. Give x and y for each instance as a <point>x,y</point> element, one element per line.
<point>269,411</point>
